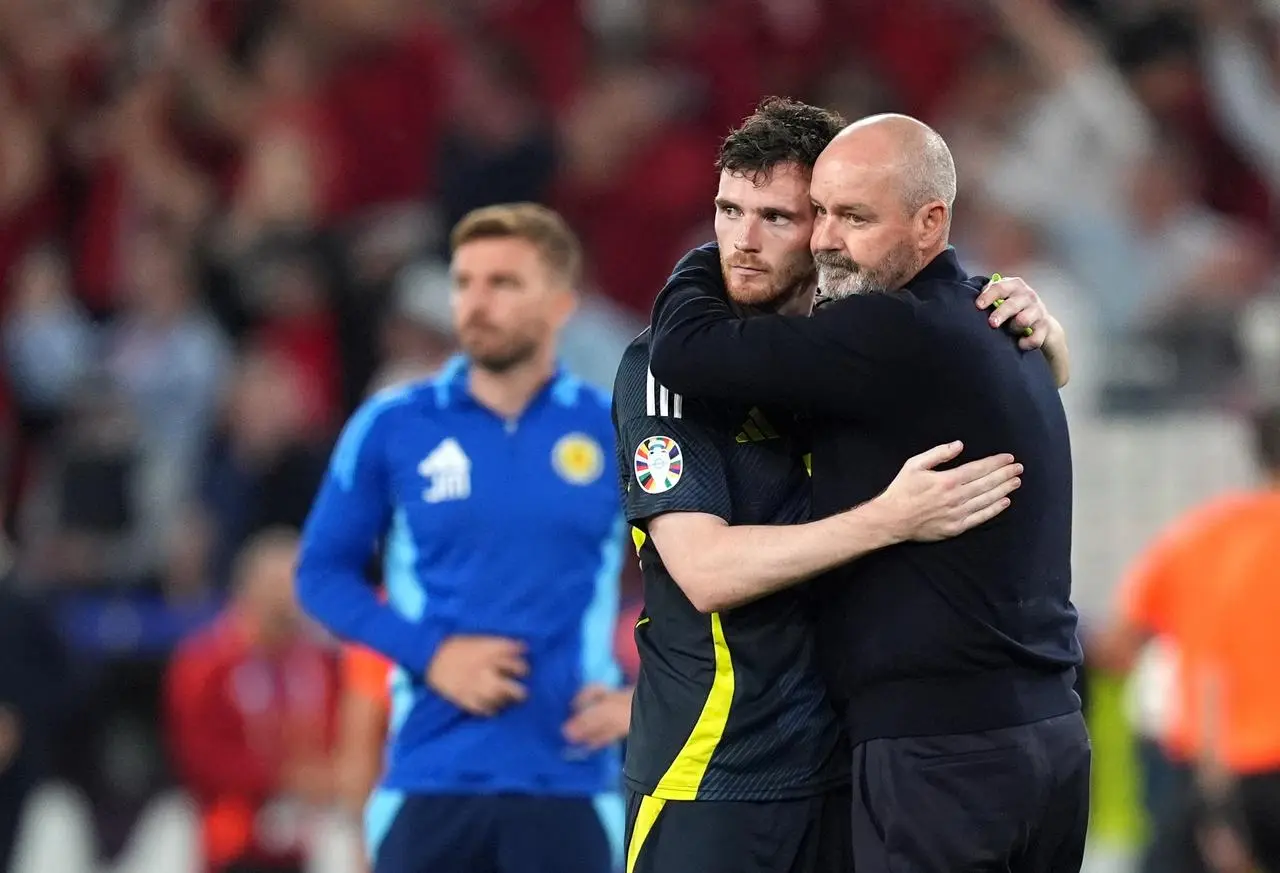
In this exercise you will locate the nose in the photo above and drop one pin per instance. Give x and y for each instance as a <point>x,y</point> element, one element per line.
<point>748,238</point>
<point>824,237</point>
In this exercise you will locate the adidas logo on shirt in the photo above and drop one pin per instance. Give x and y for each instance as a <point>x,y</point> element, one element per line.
<point>448,470</point>
<point>756,428</point>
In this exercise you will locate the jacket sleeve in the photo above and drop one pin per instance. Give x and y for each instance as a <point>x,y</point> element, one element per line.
<point>839,362</point>
<point>349,517</point>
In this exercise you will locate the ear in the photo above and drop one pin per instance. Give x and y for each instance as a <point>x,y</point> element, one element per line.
<point>931,224</point>
<point>564,304</point>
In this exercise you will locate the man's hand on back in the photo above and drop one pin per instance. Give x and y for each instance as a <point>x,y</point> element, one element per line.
<point>1019,309</point>
<point>479,673</point>
<point>926,504</point>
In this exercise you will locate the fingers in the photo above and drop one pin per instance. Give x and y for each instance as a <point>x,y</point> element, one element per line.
<point>1007,308</point>
<point>589,695</point>
<point>510,691</point>
<point>998,486</point>
<point>1002,288</point>
<point>494,693</point>
<point>975,470</point>
<point>592,728</point>
<point>935,456</point>
<point>584,728</point>
<point>504,645</point>
<point>994,292</point>
<point>982,516</point>
<point>511,665</point>
<point>991,483</point>
<point>1018,314</point>
<point>1037,338</point>
<point>1017,306</point>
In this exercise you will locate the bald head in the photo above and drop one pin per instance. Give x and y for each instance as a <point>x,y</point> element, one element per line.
<point>883,190</point>
<point>904,147</point>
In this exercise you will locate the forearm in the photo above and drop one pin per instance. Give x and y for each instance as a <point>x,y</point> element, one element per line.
<point>700,347</point>
<point>1049,38</point>
<point>1056,352</point>
<point>337,595</point>
<point>734,565</point>
<point>1246,105</point>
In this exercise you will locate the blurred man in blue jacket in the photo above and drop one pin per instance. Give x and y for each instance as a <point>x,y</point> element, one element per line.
<point>492,492</point>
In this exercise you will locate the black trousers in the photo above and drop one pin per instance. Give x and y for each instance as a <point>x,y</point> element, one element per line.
<point>808,835</point>
<point>1259,796</point>
<point>13,797</point>
<point>1015,800</point>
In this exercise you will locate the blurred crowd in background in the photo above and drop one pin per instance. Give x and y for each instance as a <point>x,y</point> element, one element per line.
<point>224,222</point>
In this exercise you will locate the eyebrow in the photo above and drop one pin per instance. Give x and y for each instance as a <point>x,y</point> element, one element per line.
<point>724,203</point>
<point>845,207</point>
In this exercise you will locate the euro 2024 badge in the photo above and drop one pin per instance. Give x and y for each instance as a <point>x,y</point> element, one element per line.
<point>578,459</point>
<point>658,464</point>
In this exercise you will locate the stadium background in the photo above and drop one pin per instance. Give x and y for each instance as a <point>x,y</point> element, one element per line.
<point>222,222</point>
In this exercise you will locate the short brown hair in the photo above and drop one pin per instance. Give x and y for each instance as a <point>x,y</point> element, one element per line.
<point>780,131</point>
<point>532,222</point>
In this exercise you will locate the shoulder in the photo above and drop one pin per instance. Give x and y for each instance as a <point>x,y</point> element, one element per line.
<point>572,392</point>
<point>705,256</point>
<point>698,272</point>
<point>381,408</point>
<point>943,297</point>
<point>429,398</point>
<point>411,405</point>
<point>206,651</point>
<point>583,406</point>
<point>1222,514</point>
<point>871,313</point>
<point>630,384</point>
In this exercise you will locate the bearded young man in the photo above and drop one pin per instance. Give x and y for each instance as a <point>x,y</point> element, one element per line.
<point>953,663</point>
<point>736,760</point>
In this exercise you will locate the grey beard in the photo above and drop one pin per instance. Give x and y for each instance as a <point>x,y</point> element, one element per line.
<point>844,284</point>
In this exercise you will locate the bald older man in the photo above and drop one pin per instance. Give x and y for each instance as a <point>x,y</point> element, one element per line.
<point>954,662</point>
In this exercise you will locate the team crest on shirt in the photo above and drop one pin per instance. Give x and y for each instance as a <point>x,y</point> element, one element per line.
<point>658,464</point>
<point>578,459</point>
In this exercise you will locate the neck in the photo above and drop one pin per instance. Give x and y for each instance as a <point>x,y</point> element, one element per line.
<point>800,300</point>
<point>926,258</point>
<point>507,393</point>
<point>930,254</point>
<point>797,301</point>
<point>261,636</point>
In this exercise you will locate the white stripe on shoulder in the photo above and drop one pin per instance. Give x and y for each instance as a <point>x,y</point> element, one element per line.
<point>662,401</point>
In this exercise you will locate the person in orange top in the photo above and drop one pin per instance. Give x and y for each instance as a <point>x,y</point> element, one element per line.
<point>1242,654</point>
<point>363,719</point>
<point>1208,586</point>
<point>250,703</point>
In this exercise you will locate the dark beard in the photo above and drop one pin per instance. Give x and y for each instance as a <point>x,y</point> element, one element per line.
<point>505,361</point>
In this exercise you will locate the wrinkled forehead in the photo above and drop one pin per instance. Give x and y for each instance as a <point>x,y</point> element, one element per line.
<point>785,187</point>
<point>838,180</point>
